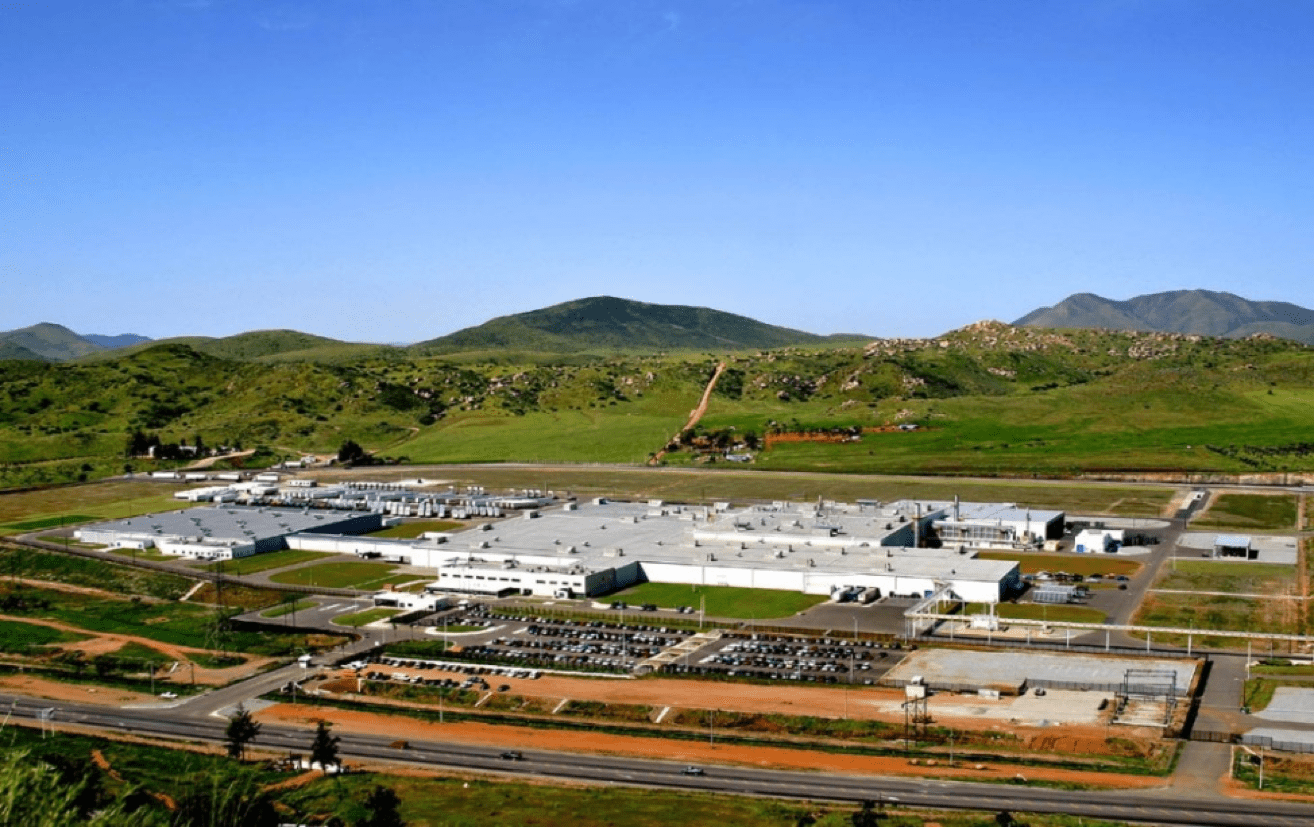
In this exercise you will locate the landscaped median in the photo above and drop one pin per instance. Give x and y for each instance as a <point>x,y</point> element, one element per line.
<point>367,617</point>
<point>342,575</point>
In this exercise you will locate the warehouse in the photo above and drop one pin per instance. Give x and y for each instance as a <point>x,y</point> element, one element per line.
<point>828,549</point>
<point>221,533</point>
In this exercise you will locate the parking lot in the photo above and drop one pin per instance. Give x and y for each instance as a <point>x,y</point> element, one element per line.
<point>572,645</point>
<point>789,658</point>
<point>502,638</point>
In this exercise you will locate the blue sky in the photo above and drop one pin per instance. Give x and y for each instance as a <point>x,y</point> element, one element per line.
<point>393,170</point>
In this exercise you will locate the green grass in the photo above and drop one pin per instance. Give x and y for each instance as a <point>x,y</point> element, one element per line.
<point>264,562</point>
<point>1215,613</point>
<point>50,522</point>
<point>70,504</point>
<point>1083,564</point>
<point>142,654</point>
<point>1258,692</point>
<point>19,638</point>
<point>417,649</point>
<point>183,624</point>
<point>1039,611</point>
<point>366,617</point>
<point>339,575</point>
<point>1233,577</point>
<point>722,601</point>
<point>408,531</point>
<point>211,661</point>
<point>93,573</point>
<point>1250,512</point>
<point>289,608</point>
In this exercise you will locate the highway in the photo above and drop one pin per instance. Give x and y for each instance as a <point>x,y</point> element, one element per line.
<point>1147,807</point>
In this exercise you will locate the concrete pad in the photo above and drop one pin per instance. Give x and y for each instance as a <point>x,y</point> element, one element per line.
<point>1290,704</point>
<point>1293,740</point>
<point>1057,706</point>
<point>969,670</point>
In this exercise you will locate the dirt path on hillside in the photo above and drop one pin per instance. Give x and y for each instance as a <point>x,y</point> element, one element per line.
<point>207,462</point>
<point>697,752</point>
<point>90,590</point>
<point>106,642</point>
<point>697,413</point>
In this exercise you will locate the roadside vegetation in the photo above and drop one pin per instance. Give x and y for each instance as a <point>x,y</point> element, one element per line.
<point>59,782</point>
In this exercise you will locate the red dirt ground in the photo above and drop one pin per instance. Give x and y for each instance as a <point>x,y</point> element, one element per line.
<point>671,750</point>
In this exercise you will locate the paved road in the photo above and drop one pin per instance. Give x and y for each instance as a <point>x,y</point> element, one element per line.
<point>1151,806</point>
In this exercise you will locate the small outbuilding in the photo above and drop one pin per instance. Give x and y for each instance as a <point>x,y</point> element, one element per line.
<point>1235,545</point>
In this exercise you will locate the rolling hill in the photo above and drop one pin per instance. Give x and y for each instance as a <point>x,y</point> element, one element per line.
<point>55,343</point>
<point>605,323</point>
<point>1201,312</point>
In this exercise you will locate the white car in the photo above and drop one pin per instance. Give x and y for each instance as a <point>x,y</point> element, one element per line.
<point>168,696</point>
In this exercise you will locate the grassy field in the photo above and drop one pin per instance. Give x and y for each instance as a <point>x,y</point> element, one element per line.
<point>1217,613</point>
<point>339,575</point>
<point>1083,564</point>
<point>264,562</point>
<point>71,504</point>
<point>722,601</point>
<point>366,617</point>
<point>1233,577</point>
<point>1223,596</point>
<point>19,638</point>
<point>182,624</point>
<point>409,531</point>
<point>1234,596</point>
<point>1041,611</point>
<point>51,522</point>
<point>81,571</point>
<point>1250,512</point>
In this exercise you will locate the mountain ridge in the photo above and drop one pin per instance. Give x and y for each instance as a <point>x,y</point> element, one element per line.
<point>1200,312</point>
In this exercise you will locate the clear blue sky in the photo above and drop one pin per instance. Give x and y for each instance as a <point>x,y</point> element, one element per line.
<point>393,170</point>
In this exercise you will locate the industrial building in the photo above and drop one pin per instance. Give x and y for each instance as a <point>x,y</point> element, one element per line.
<point>1098,541</point>
<point>222,533</point>
<point>868,548</point>
<point>832,549</point>
<point>998,526</point>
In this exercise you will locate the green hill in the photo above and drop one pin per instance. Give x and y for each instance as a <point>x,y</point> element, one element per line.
<point>1201,312</point>
<point>53,342</point>
<point>260,346</point>
<point>605,323</point>
<point>988,399</point>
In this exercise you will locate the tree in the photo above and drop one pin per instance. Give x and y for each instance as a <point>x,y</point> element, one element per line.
<point>242,730</point>
<point>324,749</point>
<point>382,804</point>
<point>352,454</point>
<point>221,799</point>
